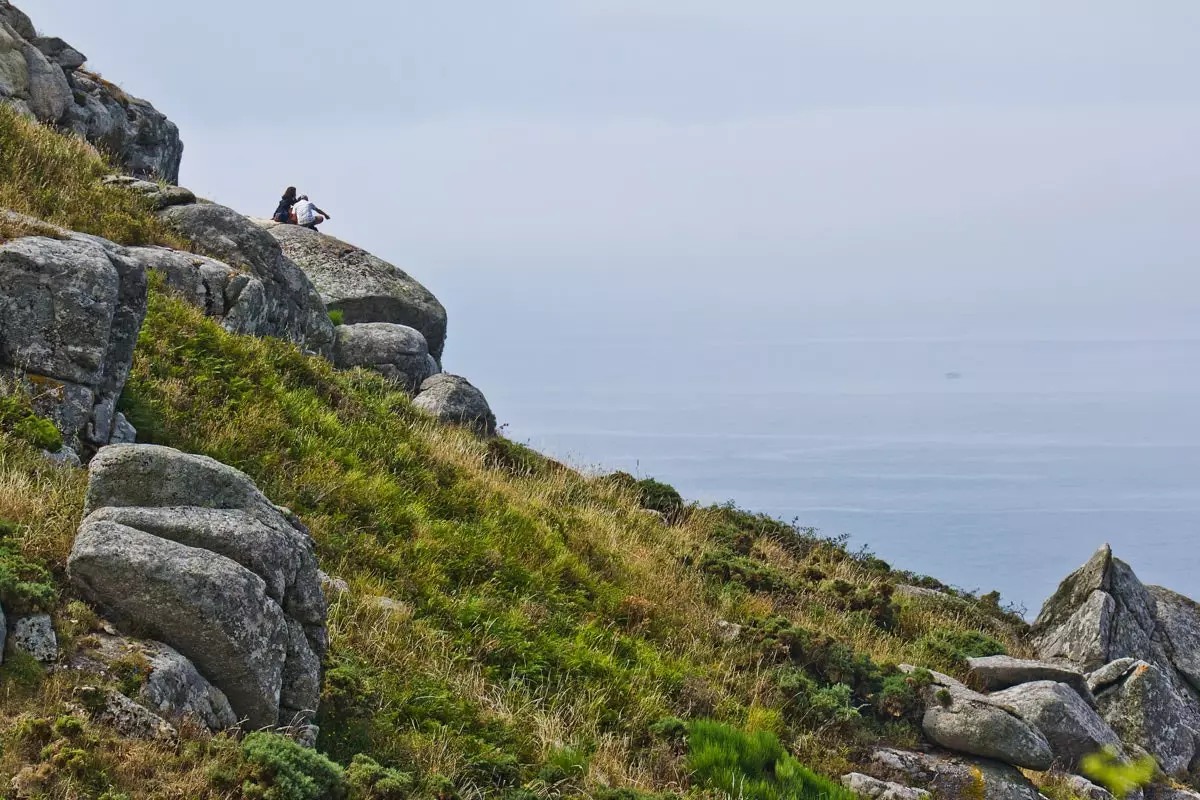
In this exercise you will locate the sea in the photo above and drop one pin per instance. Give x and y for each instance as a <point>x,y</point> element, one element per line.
<point>988,464</point>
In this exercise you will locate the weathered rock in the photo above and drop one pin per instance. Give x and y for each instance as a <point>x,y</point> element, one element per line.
<point>454,401</point>
<point>1179,625</point>
<point>965,721</point>
<point>131,720</point>
<point>293,310</point>
<point>70,312</point>
<point>866,786</point>
<point>222,575</point>
<point>1073,729</point>
<point>952,776</point>
<point>1113,672</point>
<point>177,691</point>
<point>18,19</point>
<point>49,92</point>
<point>1145,710</point>
<point>35,635</point>
<point>209,608</point>
<point>364,288</point>
<point>992,673</point>
<point>123,431</point>
<point>1164,792</point>
<point>397,352</point>
<point>59,52</point>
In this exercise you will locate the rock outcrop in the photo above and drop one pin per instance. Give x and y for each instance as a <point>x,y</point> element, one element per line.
<point>70,311</point>
<point>291,307</point>
<point>44,78</point>
<point>1140,644</point>
<point>364,288</point>
<point>947,775</point>
<point>454,401</point>
<point>397,352</point>
<point>992,673</point>
<point>188,551</point>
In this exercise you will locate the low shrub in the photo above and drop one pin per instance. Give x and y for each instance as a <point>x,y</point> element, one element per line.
<point>17,418</point>
<point>948,649</point>
<point>753,766</point>
<point>26,587</point>
<point>276,768</point>
<point>370,781</point>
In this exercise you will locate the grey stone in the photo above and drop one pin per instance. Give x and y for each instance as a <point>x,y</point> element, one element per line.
<point>866,786</point>
<point>18,19</point>
<point>1163,792</point>
<point>133,721</point>
<point>49,92</point>
<point>123,431</point>
<point>1086,790</point>
<point>35,635</point>
<point>293,308</point>
<point>176,690</point>
<point>60,53</point>
<point>66,458</point>
<point>397,352</point>
<point>1073,729</point>
<point>70,312</point>
<point>1179,623</point>
<point>951,776</point>
<point>454,401</point>
<point>991,673</point>
<point>965,721</point>
<point>1110,673</point>
<point>1145,710</point>
<point>332,584</point>
<point>176,526</point>
<point>212,610</point>
<point>364,288</point>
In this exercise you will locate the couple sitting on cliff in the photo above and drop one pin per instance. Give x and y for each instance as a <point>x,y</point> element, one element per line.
<point>299,210</point>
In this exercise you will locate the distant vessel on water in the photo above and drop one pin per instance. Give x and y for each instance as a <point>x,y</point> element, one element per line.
<point>953,376</point>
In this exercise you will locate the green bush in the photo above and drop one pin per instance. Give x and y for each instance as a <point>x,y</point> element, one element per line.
<point>17,418</point>
<point>949,649</point>
<point>652,495</point>
<point>337,316</point>
<point>752,766</point>
<point>276,768</point>
<point>899,693</point>
<point>370,781</point>
<point>26,587</point>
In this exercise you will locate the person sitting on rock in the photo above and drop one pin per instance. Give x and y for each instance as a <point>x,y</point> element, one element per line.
<point>283,213</point>
<point>307,213</point>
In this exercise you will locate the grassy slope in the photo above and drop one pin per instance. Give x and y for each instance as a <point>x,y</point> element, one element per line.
<point>542,624</point>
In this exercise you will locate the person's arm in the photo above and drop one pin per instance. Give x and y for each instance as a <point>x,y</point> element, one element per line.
<point>323,212</point>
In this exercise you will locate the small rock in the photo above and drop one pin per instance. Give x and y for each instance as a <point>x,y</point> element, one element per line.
<point>332,585</point>
<point>866,786</point>
<point>1086,790</point>
<point>454,401</point>
<point>35,635</point>
<point>1111,673</point>
<point>397,352</point>
<point>65,457</point>
<point>949,776</point>
<point>132,721</point>
<point>728,631</point>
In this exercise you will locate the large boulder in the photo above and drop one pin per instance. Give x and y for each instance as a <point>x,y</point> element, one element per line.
<point>965,721</point>
<point>189,552</point>
<point>866,786</point>
<point>1145,710</point>
<point>364,288</point>
<point>70,312</point>
<point>1073,729</point>
<point>947,775</point>
<point>294,310</point>
<point>397,352</point>
<point>454,401</point>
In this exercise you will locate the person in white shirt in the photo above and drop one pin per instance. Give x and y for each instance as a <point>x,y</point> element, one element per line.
<point>307,213</point>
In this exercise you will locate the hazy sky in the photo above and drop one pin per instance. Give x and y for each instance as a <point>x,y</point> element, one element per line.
<point>684,171</point>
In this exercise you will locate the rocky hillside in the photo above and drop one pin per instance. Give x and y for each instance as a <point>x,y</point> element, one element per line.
<point>256,542</point>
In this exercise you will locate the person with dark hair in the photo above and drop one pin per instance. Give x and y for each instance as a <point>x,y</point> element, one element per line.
<point>284,212</point>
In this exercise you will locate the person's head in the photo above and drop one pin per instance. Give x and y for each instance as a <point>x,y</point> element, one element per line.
<point>302,197</point>
<point>290,194</point>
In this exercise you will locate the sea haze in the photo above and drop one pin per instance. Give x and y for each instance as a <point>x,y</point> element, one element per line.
<point>1004,477</point>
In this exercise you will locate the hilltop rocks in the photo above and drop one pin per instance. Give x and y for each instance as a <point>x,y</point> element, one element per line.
<point>70,312</point>
<point>189,551</point>
<point>1060,714</point>
<point>947,775</point>
<point>1141,645</point>
<point>44,78</point>
<point>293,309</point>
<point>454,401</point>
<point>364,288</point>
<point>398,352</point>
<point>237,299</point>
<point>968,722</point>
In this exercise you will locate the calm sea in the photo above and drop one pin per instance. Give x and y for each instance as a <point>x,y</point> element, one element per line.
<point>989,465</point>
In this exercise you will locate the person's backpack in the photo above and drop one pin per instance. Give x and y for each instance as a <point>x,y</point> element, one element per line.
<point>291,216</point>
